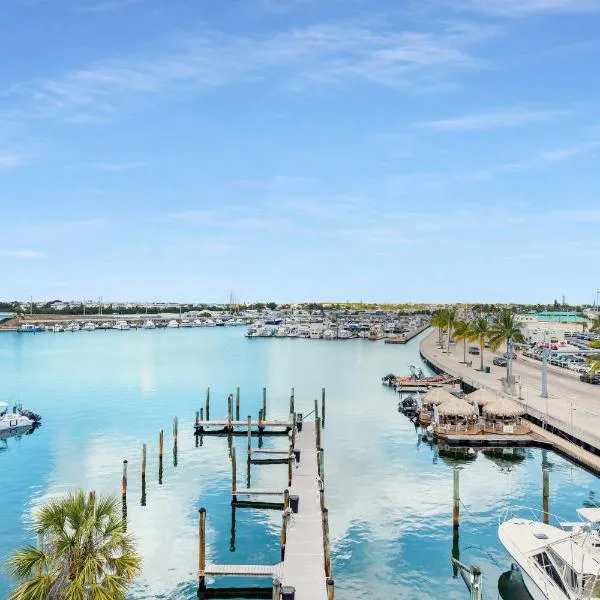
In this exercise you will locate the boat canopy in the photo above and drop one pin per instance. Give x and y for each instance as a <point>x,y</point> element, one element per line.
<point>572,554</point>
<point>592,515</point>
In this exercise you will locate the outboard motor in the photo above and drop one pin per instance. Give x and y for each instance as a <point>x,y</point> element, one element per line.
<point>31,415</point>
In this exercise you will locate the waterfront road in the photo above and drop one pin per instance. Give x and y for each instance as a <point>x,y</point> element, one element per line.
<point>572,406</point>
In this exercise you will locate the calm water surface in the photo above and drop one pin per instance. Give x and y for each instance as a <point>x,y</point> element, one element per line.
<point>103,394</point>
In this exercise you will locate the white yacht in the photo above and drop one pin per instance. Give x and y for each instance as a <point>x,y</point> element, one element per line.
<point>315,334</point>
<point>558,562</point>
<point>121,326</point>
<point>328,334</point>
<point>148,325</point>
<point>251,332</point>
<point>13,421</point>
<point>197,323</point>
<point>173,324</point>
<point>209,323</point>
<point>29,328</point>
<point>185,323</point>
<point>89,326</point>
<point>73,327</point>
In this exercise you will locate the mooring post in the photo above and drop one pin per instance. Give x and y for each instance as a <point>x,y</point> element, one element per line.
<point>290,459</point>
<point>276,589</point>
<point>322,494</point>
<point>476,583</point>
<point>208,403</point>
<point>230,407</point>
<point>160,456</point>
<point>124,483</point>
<point>264,409</point>
<point>202,549</point>
<point>330,589</point>
<point>316,409</point>
<point>249,436</point>
<point>322,464</point>
<point>291,404</point>
<point>197,417</point>
<point>261,426</point>
<point>546,493</point>
<point>456,498</point>
<point>326,553</point>
<point>233,475</point>
<point>237,403</point>
<point>284,518</point>
<point>318,430</point>
<point>323,406</point>
<point>144,475</point>
<point>286,499</point>
<point>175,429</point>
<point>202,414</point>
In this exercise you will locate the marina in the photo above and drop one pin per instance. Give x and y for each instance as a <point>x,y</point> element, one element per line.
<point>409,542</point>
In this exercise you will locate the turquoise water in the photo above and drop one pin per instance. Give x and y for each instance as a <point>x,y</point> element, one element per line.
<point>104,394</point>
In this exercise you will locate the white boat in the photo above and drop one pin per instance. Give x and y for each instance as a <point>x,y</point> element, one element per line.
<point>149,325</point>
<point>73,327</point>
<point>197,323</point>
<point>558,562</point>
<point>121,326</point>
<point>209,323</point>
<point>328,334</point>
<point>89,326</point>
<point>13,421</point>
<point>315,334</point>
<point>186,324</point>
<point>29,328</point>
<point>173,324</point>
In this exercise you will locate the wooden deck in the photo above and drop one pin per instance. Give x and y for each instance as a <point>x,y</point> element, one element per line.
<point>244,570</point>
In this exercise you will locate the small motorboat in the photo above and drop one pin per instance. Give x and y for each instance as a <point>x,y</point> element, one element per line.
<point>16,420</point>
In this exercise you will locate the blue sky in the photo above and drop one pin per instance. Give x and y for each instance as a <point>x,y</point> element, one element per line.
<point>435,150</point>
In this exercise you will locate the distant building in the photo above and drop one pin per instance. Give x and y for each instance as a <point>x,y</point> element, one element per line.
<point>554,320</point>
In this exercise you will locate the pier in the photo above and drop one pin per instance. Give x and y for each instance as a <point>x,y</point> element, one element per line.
<point>567,421</point>
<point>304,571</point>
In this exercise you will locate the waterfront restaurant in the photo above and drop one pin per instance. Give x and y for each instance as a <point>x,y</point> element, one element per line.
<point>503,416</point>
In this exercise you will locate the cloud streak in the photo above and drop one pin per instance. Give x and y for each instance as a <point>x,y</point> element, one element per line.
<point>495,119</point>
<point>523,8</point>
<point>21,254</point>
<point>117,167</point>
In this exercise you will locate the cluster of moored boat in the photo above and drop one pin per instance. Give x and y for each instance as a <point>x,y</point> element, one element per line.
<point>124,325</point>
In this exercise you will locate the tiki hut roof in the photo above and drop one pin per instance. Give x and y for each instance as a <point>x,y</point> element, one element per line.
<point>456,408</point>
<point>481,397</point>
<point>437,396</point>
<point>502,407</point>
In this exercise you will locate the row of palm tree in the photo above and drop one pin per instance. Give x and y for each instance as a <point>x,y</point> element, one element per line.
<point>504,328</point>
<point>83,552</point>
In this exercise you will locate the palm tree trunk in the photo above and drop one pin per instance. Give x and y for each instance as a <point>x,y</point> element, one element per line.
<point>481,352</point>
<point>465,350</point>
<point>508,362</point>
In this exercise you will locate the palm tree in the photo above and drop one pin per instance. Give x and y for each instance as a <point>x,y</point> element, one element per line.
<point>450,319</point>
<point>595,324</point>
<point>478,331</point>
<point>440,321</point>
<point>594,362</point>
<point>506,328</point>
<point>461,334</point>
<point>82,552</point>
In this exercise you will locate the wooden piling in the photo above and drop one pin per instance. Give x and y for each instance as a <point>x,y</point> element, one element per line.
<point>318,430</point>
<point>197,417</point>
<point>326,551</point>
<point>291,404</point>
<point>233,474</point>
<point>285,517</point>
<point>202,414</point>
<point>160,444</point>
<point>330,589</point>
<point>208,403</point>
<point>290,459</point>
<point>276,589</point>
<point>249,436</point>
<point>237,404</point>
<point>124,482</point>
<point>316,409</point>
<point>323,407</point>
<point>286,499</point>
<point>322,464</point>
<point>230,407</point>
<point>456,498</point>
<point>175,429</point>
<point>202,548</point>
<point>264,406</point>
<point>143,501</point>
<point>546,494</point>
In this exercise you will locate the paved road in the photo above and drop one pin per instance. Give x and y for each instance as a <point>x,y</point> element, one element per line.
<point>574,403</point>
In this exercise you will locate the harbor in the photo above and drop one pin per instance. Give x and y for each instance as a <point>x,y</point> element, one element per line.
<point>397,543</point>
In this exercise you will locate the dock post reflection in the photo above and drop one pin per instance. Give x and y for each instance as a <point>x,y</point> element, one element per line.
<point>160,457</point>
<point>323,406</point>
<point>208,403</point>
<point>264,406</point>
<point>175,435</point>
<point>455,519</point>
<point>237,403</point>
<point>233,476</point>
<point>124,496</point>
<point>232,538</point>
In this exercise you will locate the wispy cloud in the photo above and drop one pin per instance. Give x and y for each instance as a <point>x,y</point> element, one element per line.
<point>521,8</point>
<point>117,167</point>
<point>13,160</point>
<point>495,119</point>
<point>21,254</point>
<point>97,6</point>
<point>317,55</point>
<point>566,152</point>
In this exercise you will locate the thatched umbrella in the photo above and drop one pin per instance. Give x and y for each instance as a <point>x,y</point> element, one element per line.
<point>437,396</point>
<point>504,408</point>
<point>455,407</point>
<point>481,396</point>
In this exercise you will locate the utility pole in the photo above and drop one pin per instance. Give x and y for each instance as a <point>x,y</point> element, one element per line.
<point>31,305</point>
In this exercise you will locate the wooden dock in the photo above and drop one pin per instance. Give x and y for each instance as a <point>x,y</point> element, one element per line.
<point>304,572</point>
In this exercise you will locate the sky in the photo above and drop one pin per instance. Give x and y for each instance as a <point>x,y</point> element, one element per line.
<point>295,150</point>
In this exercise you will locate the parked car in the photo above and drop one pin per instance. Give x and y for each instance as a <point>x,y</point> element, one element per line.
<point>513,355</point>
<point>473,349</point>
<point>499,361</point>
